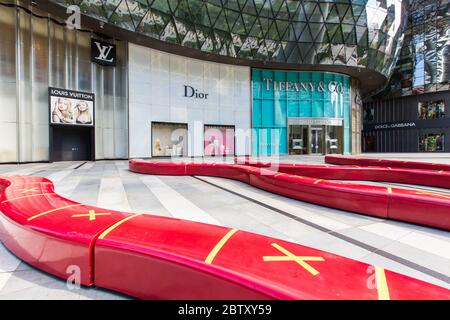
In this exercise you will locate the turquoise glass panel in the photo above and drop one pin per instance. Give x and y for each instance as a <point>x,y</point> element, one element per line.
<point>278,95</point>
<point>257,113</point>
<point>280,114</point>
<point>293,108</point>
<point>317,108</point>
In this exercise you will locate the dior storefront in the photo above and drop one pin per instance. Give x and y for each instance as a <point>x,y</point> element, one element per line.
<point>187,107</point>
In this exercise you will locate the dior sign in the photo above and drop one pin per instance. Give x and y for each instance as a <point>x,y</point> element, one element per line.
<point>310,86</point>
<point>190,92</point>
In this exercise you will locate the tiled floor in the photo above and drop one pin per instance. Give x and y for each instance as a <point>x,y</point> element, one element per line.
<point>417,251</point>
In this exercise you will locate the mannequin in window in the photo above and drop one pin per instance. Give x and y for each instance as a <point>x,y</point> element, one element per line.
<point>213,145</point>
<point>157,148</point>
<point>177,147</point>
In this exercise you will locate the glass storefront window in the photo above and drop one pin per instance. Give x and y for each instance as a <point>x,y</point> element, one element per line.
<point>431,142</point>
<point>316,138</point>
<point>369,114</point>
<point>298,139</point>
<point>369,143</point>
<point>334,139</point>
<point>304,139</point>
<point>169,139</point>
<point>219,140</point>
<point>431,110</point>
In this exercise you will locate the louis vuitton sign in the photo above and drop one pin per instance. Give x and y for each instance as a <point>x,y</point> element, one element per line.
<point>103,53</point>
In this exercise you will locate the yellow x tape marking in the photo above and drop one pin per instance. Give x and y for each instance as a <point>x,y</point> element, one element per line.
<point>291,257</point>
<point>92,215</point>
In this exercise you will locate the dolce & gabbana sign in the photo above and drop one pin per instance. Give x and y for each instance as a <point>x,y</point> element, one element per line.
<point>309,86</point>
<point>418,124</point>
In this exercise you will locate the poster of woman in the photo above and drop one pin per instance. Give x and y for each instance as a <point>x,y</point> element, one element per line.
<point>82,113</point>
<point>71,107</point>
<point>62,111</point>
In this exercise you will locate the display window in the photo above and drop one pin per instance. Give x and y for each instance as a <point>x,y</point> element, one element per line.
<point>298,139</point>
<point>431,142</point>
<point>219,140</point>
<point>334,139</point>
<point>169,139</point>
<point>369,143</point>
<point>369,114</point>
<point>431,110</point>
<point>304,139</point>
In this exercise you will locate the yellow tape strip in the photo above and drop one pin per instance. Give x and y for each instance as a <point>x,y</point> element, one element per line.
<point>28,183</point>
<point>382,286</point>
<point>28,196</point>
<point>53,210</point>
<point>317,181</point>
<point>209,259</point>
<point>389,189</point>
<point>115,225</point>
<point>446,196</point>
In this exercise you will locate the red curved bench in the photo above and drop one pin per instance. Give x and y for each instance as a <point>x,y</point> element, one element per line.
<point>155,257</point>
<point>423,177</point>
<point>339,160</point>
<point>421,207</point>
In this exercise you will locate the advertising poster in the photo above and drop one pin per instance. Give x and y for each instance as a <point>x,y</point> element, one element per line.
<point>69,107</point>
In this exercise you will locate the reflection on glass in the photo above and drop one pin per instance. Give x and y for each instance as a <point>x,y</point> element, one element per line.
<point>308,32</point>
<point>317,140</point>
<point>369,114</point>
<point>431,142</point>
<point>424,61</point>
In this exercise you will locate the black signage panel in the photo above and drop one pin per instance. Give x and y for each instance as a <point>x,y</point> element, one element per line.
<point>68,107</point>
<point>103,53</point>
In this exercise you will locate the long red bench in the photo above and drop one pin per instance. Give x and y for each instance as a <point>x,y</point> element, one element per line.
<point>49,231</point>
<point>416,206</point>
<point>340,160</point>
<point>154,257</point>
<point>423,177</point>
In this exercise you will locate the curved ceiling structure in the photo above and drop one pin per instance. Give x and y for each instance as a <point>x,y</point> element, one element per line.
<point>361,38</point>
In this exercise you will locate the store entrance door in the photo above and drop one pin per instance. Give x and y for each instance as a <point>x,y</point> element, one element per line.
<point>72,143</point>
<point>316,140</point>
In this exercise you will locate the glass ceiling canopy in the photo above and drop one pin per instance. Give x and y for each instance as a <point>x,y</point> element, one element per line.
<point>358,33</point>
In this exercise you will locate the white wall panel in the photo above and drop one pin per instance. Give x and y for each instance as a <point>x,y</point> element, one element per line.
<point>163,77</point>
<point>8,146</point>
